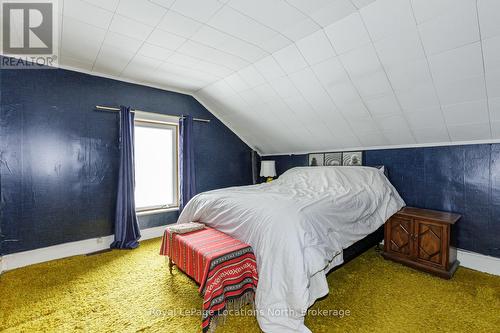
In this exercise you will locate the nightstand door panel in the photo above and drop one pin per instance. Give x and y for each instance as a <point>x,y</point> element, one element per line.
<point>399,232</point>
<point>429,242</point>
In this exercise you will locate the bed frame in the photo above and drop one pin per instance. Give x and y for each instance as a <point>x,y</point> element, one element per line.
<point>362,245</point>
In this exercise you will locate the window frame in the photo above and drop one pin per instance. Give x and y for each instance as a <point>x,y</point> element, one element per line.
<point>145,121</point>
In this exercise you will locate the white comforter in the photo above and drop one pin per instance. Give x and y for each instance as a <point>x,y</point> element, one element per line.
<point>297,226</point>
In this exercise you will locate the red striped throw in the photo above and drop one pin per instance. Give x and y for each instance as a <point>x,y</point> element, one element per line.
<point>225,268</point>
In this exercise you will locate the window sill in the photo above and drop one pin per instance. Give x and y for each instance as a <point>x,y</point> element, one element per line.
<point>157,211</point>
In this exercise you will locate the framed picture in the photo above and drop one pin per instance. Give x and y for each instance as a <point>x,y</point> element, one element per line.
<point>352,158</point>
<point>316,159</point>
<point>333,159</point>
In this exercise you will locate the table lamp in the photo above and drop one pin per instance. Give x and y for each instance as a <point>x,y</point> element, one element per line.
<point>268,169</point>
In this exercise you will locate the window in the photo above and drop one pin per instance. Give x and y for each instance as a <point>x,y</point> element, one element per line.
<point>155,165</point>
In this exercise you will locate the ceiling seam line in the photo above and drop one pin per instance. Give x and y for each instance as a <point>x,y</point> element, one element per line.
<point>105,35</point>
<point>388,79</point>
<point>300,92</point>
<point>356,88</point>
<point>327,93</point>
<point>426,56</point>
<point>484,71</point>
<point>144,42</point>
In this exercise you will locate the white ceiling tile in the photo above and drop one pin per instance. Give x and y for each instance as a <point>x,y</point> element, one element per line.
<point>130,28</point>
<point>426,10</point>
<point>402,47</point>
<point>250,96</point>
<point>155,52</point>
<point>362,125</point>
<point>227,43</point>
<point>372,139</point>
<point>288,16</point>
<point>122,42</point>
<point>383,105</point>
<point>488,17</point>
<point>179,24</point>
<point>422,96</point>
<point>213,55</point>
<point>493,84</point>
<point>466,90</point>
<point>343,92</point>
<point>165,39</point>
<point>391,122</point>
<point>143,11</point>
<point>290,59</point>
<point>266,93</point>
<point>199,64</point>
<point>457,64</point>
<point>491,51</point>
<point>466,113</point>
<point>468,132</point>
<point>406,76</point>
<point>164,3</point>
<point>241,26</point>
<point>361,3</point>
<point>275,43</point>
<point>387,17</point>
<point>301,29</point>
<point>201,11</point>
<point>105,4</point>
<point>330,72</point>
<point>140,68</point>
<point>269,68</point>
<point>236,82</point>
<point>399,136</point>
<point>184,72</point>
<point>316,47</point>
<point>361,61</point>
<point>75,63</point>
<point>495,129</point>
<point>347,34</point>
<point>455,27</point>
<point>494,107</point>
<point>307,83</point>
<point>284,87</point>
<point>85,12</point>
<point>425,118</point>
<point>431,135</point>
<point>355,110</point>
<point>251,76</point>
<point>334,11</point>
<point>81,41</point>
<point>112,61</point>
<point>372,85</point>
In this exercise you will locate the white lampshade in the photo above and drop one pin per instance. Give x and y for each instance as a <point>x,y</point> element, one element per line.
<point>267,169</point>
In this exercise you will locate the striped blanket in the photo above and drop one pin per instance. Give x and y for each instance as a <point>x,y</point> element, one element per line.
<point>224,267</point>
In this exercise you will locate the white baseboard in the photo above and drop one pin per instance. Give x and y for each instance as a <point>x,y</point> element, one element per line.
<point>472,260</point>
<point>26,258</point>
<point>479,262</point>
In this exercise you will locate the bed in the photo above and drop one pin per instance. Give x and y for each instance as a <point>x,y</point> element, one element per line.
<point>298,226</point>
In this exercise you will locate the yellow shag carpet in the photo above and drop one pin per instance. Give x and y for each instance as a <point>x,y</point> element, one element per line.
<point>131,291</point>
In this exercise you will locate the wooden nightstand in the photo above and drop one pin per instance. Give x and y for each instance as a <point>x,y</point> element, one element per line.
<point>420,238</point>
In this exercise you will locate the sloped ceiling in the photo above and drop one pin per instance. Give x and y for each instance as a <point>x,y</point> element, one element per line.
<point>307,75</point>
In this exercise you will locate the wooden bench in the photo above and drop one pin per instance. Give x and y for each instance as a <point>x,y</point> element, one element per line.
<point>221,265</point>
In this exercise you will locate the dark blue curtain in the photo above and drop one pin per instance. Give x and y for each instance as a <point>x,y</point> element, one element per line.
<point>186,158</point>
<point>127,232</point>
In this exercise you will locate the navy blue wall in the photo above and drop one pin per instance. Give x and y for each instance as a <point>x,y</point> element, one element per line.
<point>462,179</point>
<point>58,156</point>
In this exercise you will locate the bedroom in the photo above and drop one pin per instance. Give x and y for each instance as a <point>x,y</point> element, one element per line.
<point>341,159</point>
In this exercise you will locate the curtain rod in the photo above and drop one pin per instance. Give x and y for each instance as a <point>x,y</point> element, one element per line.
<point>109,108</point>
